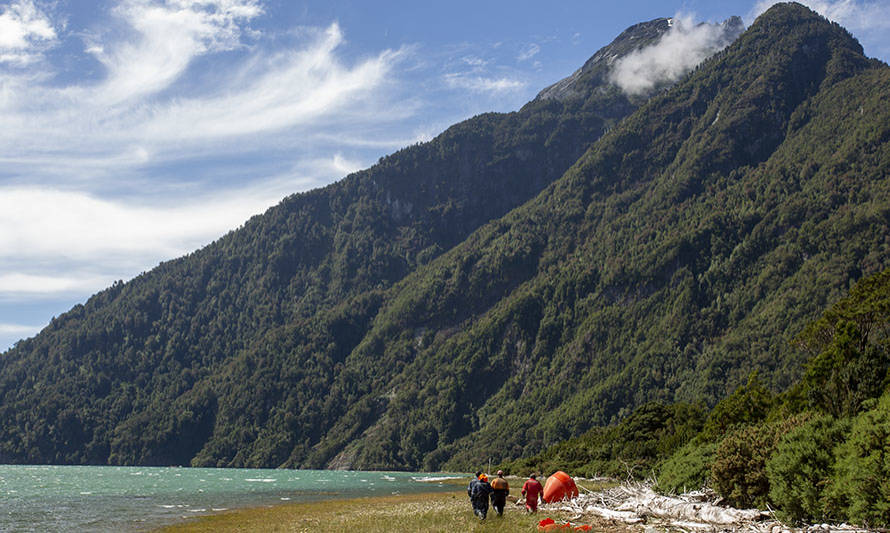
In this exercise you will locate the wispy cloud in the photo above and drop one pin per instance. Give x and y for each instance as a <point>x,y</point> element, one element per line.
<point>25,32</point>
<point>51,223</point>
<point>172,149</point>
<point>479,83</point>
<point>528,52</point>
<point>685,45</point>
<point>32,285</point>
<point>163,40</point>
<point>136,115</point>
<point>18,330</point>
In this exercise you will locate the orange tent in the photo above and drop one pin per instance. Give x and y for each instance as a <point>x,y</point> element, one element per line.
<point>560,486</point>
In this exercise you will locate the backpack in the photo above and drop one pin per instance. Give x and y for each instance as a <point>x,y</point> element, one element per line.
<point>479,491</point>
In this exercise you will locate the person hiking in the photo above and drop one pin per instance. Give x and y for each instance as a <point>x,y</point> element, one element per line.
<point>532,490</point>
<point>500,489</point>
<point>472,483</point>
<point>479,493</point>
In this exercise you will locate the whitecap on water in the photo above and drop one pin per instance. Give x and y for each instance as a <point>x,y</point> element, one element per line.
<point>260,480</point>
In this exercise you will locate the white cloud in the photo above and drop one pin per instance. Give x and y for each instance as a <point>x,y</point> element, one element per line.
<point>137,115</point>
<point>72,242</point>
<point>164,39</point>
<point>684,46</point>
<point>482,84</point>
<point>31,285</point>
<point>343,166</point>
<point>24,33</point>
<point>290,88</point>
<point>50,223</point>
<point>528,52</point>
<point>17,331</point>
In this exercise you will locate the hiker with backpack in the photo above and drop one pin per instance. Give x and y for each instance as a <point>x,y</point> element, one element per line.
<point>479,491</point>
<point>500,490</point>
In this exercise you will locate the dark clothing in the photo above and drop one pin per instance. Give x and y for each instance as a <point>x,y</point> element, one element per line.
<point>500,489</point>
<point>479,492</point>
<point>470,487</point>
<point>498,501</point>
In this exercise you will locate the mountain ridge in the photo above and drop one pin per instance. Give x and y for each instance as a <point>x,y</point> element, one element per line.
<point>666,262</point>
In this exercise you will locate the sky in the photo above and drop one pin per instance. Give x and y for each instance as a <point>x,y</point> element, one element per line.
<point>136,131</point>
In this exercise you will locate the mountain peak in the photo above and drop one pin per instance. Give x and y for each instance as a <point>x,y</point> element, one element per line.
<point>599,70</point>
<point>776,21</point>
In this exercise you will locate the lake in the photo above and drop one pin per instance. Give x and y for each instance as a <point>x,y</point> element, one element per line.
<point>106,498</point>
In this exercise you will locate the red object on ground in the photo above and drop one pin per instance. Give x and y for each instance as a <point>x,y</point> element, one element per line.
<point>542,525</point>
<point>585,527</point>
<point>560,486</point>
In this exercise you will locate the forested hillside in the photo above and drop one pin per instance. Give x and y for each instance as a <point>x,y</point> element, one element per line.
<point>133,354</point>
<point>815,452</point>
<point>515,282</point>
<point>680,253</point>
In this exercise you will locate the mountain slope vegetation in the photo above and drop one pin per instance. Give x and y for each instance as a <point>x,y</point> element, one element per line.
<point>678,255</point>
<point>136,351</point>
<point>513,283</point>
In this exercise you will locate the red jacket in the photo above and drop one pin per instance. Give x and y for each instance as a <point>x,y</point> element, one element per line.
<point>532,489</point>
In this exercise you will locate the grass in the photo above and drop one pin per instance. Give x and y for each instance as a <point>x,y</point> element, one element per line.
<point>441,511</point>
<point>449,511</point>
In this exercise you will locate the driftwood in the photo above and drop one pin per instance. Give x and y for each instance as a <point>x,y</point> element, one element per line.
<point>637,504</point>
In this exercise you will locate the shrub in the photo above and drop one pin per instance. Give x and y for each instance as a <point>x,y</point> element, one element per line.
<point>739,468</point>
<point>799,469</point>
<point>861,485</point>
<point>748,404</point>
<point>688,468</point>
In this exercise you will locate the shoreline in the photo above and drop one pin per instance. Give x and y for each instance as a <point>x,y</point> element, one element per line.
<point>420,511</point>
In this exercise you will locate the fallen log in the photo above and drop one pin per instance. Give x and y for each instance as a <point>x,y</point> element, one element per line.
<point>639,503</point>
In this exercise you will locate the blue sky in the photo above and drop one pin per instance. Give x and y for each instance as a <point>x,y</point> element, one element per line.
<point>136,131</point>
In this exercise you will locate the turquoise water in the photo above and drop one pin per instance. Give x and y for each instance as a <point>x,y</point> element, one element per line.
<point>108,498</point>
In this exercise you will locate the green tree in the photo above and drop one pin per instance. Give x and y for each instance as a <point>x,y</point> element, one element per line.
<point>800,469</point>
<point>861,484</point>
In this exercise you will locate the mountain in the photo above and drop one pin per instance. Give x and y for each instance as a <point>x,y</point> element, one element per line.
<point>597,72</point>
<point>681,252</point>
<point>517,280</point>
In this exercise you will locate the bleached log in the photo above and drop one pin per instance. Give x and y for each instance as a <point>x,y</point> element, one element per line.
<point>636,503</point>
<point>627,517</point>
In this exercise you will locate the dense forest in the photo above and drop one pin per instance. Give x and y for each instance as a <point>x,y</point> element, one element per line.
<point>818,451</point>
<point>521,280</point>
